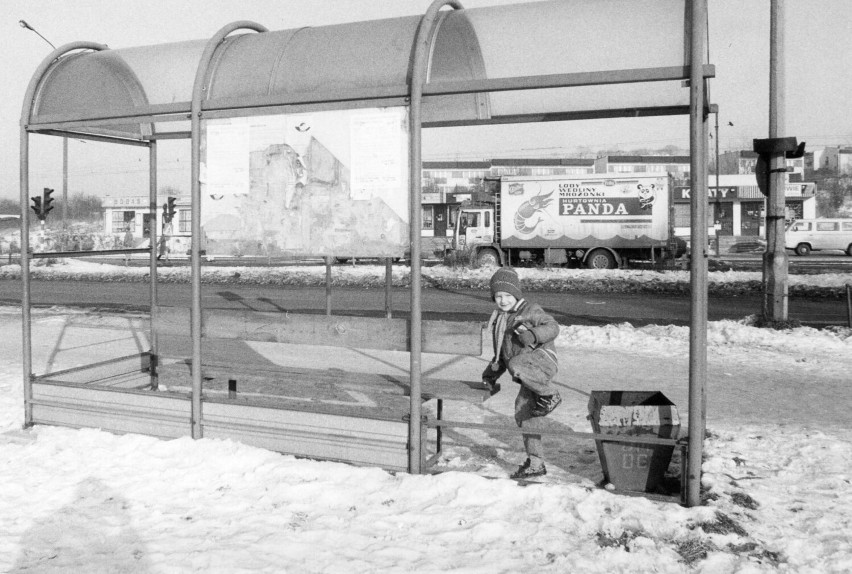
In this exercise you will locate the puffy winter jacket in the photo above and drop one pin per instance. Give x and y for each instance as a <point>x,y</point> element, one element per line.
<point>536,320</point>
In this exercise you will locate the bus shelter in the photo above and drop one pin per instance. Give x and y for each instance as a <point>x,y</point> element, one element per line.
<point>310,139</point>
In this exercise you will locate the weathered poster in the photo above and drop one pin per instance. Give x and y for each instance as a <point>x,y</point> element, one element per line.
<point>228,159</point>
<point>329,183</point>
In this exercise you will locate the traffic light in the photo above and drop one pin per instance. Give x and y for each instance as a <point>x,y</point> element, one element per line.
<point>169,209</point>
<point>47,202</point>
<point>36,206</point>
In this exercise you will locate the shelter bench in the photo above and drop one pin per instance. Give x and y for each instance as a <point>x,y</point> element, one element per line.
<point>253,392</point>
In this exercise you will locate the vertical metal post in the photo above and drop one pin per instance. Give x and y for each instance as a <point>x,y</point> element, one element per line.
<point>64,182</point>
<point>421,51</point>
<point>328,286</point>
<point>775,259</point>
<point>153,236</point>
<point>195,261</point>
<point>849,304</point>
<point>199,89</point>
<point>388,287</point>
<point>698,263</point>
<point>24,155</point>
<point>26,320</point>
<point>716,115</point>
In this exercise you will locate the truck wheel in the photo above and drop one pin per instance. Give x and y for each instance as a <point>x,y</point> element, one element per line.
<point>803,249</point>
<point>488,258</point>
<point>600,259</point>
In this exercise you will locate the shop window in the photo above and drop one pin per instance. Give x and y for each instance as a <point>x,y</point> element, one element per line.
<point>184,220</point>
<point>681,215</point>
<point>427,217</point>
<point>122,219</point>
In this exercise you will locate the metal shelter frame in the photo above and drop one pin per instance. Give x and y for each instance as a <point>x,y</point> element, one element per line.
<point>73,124</point>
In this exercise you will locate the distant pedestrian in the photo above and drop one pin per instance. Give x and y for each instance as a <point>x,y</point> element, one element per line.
<point>128,243</point>
<point>523,339</point>
<point>163,244</point>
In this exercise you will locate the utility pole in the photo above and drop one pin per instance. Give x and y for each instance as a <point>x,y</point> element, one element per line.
<point>775,259</point>
<point>771,173</point>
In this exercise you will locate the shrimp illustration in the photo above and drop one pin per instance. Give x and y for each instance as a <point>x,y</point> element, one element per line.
<point>528,209</point>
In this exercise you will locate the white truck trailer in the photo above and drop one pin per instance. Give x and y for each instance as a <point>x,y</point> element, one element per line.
<point>600,221</point>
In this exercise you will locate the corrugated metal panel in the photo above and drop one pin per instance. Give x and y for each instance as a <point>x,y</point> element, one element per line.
<point>81,82</point>
<point>523,40</point>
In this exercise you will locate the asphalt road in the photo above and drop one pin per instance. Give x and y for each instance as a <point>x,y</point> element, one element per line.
<point>567,308</point>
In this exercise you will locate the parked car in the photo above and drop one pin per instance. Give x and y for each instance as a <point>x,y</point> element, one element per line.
<point>806,235</point>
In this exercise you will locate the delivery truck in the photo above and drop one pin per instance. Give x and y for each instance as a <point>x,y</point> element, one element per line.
<point>598,221</point>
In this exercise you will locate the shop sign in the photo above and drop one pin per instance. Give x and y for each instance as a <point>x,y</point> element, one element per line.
<point>722,192</point>
<point>139,201</point>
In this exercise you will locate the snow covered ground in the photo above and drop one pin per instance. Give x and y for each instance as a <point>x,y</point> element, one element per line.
<point>777,473</point>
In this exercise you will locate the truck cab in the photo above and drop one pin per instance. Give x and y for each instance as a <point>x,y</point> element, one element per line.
<point>475,232</point>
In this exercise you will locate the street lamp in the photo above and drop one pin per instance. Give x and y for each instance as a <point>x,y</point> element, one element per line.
<point>26,26</point>
<point>23,24</point>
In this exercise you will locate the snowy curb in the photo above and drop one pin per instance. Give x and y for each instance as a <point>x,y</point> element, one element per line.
<point>730,283</point>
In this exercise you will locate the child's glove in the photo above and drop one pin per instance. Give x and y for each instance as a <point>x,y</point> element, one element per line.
<point>527,338</point>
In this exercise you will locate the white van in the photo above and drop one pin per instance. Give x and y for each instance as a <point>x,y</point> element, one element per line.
<point>806,235</point>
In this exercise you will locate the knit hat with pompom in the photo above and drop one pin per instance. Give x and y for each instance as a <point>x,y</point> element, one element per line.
<point>506,279</point>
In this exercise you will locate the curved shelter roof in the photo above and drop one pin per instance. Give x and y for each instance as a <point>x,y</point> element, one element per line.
<point>526,62</point>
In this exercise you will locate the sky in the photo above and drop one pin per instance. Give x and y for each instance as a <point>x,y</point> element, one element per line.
<point>818,47</point>
<point>776,471</point>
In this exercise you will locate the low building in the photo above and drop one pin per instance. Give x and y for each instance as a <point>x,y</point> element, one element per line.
<point>743,163</point>
<point>675,165</point>
<point>737,207</point>
<point>121,213</point>
<point>837,159</point>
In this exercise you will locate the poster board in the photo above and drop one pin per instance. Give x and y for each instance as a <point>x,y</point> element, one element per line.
<point>328,183</point>
<point>555,211</point>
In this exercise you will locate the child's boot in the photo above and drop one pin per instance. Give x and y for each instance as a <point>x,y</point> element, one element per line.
<point>525,471</point>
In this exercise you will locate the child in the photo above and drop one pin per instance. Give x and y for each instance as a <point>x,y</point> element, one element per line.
<point>523,336</point>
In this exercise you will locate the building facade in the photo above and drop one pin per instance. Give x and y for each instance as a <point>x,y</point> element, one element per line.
<point>743,163</point>
<point>737,207</point>
<point>675,165</point>
<point>122,213</point>
<point>837,159</point>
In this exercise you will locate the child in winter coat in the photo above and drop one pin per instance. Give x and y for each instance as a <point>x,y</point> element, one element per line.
<point>523,336</point>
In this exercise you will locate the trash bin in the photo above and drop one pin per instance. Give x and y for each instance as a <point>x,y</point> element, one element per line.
<point>633,465</point>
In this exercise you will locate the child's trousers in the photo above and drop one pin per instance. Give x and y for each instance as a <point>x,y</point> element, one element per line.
<point>535,372</point>
<point>532,442</point>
